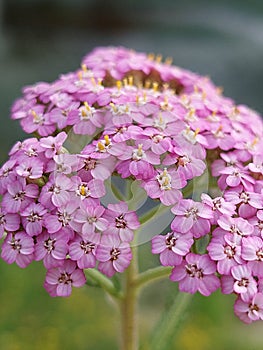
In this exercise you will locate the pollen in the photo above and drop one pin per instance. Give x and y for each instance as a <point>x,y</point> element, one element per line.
<point>164,180</point>
<point>80,75</point>
<point>220,90</point>
<point>197,130</point>
<point>119,84</point>
<point>100,146</point>
<point>155,86</point>
<point>130,80</point>
<point>147,84</point>
<point>165,104</point>
<point>159,58</point>
<point>83,190</point>
<point>140,151</point>
<point>196,89</point>
<point>107,140</point>
<point>93,81</point>
<point>219,129</point>
<point>114,107</point>
<point>191,113</point>
<point>168,61</point>
<point>84,67</point>
<point>87,106</point>
<point>35,116</point>
<point>151,56</point>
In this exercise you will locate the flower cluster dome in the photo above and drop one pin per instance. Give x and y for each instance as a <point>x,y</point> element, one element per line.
<point>147,121</point>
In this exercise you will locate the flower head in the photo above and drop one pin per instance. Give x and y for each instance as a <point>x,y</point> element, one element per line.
<point>176,147</point>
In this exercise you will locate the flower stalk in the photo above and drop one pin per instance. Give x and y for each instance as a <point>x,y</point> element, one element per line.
<point>129,310</point>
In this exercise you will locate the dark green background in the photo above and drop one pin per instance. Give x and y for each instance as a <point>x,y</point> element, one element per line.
<point>40,40</point>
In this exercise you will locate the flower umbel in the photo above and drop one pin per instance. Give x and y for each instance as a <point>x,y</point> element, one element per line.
<point>174,143</point>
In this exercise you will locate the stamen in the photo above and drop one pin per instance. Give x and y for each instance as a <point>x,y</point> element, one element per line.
<point>168,61</point>
<point>151,56</point>
<point>159,58</point>
<point>107,140</point>
<point>87,106</point>
<point>84,67</point>
<point>114,107</point>
<point>140,151</point>
<point>220,90</point>
<point>197,131</point>
<point>80,75</point>
<point>34,114</point>
<point>83,190</point>
<point>147,84</point>
<point>119,84</point>
<point>130,80</point>
<point>155,86</point>
<point>100,146</point>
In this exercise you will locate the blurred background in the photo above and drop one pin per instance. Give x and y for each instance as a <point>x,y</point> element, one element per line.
<point>40,39</point>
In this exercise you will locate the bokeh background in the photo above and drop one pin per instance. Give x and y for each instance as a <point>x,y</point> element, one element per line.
<point>40,39</point>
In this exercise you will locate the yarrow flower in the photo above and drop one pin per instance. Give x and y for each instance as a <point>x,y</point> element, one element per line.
<point>122,133</point>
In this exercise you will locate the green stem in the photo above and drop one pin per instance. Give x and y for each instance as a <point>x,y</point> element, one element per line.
<point>152,275</point>
<point>170,322</point>
<point>104,282</point>
<point>128,308</point>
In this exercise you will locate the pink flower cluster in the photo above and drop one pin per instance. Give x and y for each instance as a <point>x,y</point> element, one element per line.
<point>148,121</point>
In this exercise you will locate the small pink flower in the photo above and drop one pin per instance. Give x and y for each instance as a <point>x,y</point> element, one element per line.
<point>250,310</point>
<point>63,278</point>
<point>63,163</point>
<point>88,190</point>
<point>257,222</point>
<point>60,115</point>
<point>240,281</point>
<point>252,251</point>
<point>8,222</point>
<point>7,175</point>
<point>121,221</point>
<point>100,169</point>
<point>18,248</point>
<point>85,119</point>
<point>219,206</point>
<point>114,255</point>
<point>237,226</point>
<point>196,273</point>
<point>36,120</point>
<point>192,216</point>
<point>90,217</point>
<point>62,219</point>
<point>165,186</point>
<point>138,162</point>
<point>248,202</point>
<point>32,219</point>
<point>172,247</point>
<point>187,165</point>
<point>83,251</point>
<point>19,195</point>
<point>32,169</point>
<point>51,248</point>
<point>226,250</point>
<point>234,176</point>
<point>56,192</point>
<point>257,165</point>
<point>53,145</point>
